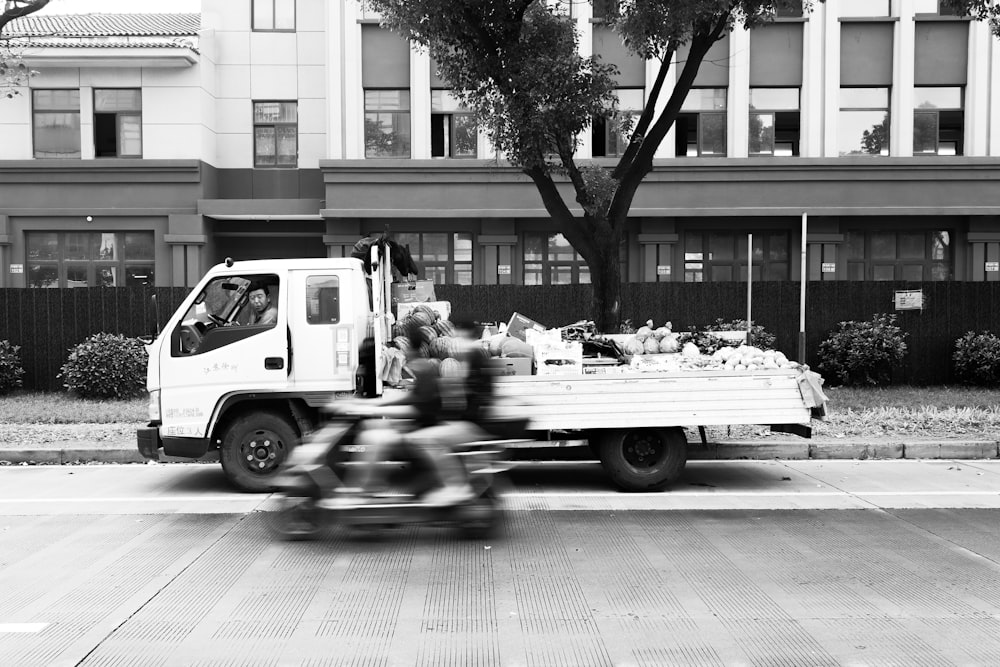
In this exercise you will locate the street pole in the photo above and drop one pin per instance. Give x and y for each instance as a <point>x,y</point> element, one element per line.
<point>749,288</point>
<point>802,293</point>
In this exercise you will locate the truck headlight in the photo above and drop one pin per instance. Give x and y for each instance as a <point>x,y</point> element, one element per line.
<point>154,405</point>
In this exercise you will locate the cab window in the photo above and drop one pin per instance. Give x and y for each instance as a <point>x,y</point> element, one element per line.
<point>228,309</point>
<point>323,299</point>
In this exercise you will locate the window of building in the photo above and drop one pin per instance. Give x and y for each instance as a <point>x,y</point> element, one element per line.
<point>864,8</point>
<point>117,122</point>
<point>792,9</point>
<point>56,123</point>
<point>275,134</point>
<point>701,126</point>
<point>445,258</point>
<point>274,15</point>
<point>719,256</point>
<point>938,120</point>
<point>774,121</point>
<point>909,255</point>
<point>549,259</point>
<point>936,7</point>
<point>864,121</point>
<point>387,123</point>
<point>611,135</point>
<point>90,259</point>
<point>454,132</point>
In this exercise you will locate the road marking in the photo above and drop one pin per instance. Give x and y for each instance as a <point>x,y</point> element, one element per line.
<point>755,494</point>
<point>22,627</point>
<point>140,499</point>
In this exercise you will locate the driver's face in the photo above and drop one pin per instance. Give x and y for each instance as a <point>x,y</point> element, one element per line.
<point>259,300</point>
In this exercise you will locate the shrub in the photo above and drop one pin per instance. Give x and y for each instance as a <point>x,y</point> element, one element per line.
<point>106,366</point>
<point>760,337</point>
<point>863,352</point>
<point>977,358</point>
<point>11,369</point>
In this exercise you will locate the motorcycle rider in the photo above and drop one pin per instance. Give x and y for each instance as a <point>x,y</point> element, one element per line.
<point>446,411</point>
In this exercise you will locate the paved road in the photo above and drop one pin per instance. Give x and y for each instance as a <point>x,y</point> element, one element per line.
<point>744,563</point>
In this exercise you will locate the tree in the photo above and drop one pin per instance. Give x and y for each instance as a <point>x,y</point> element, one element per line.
<point>13,71</point>
<point>515,63</point>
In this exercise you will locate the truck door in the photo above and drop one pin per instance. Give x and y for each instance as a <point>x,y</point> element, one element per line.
<point>232,339</point>
<point>323,318</point>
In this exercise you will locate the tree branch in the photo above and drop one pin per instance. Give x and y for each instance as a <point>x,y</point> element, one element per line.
<point>648,111</point>
<point>15,9</point>
<point>633,173</point>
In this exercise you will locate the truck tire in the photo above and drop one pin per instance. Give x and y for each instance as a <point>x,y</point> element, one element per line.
<point>254,445</point>
<point>643,459</point>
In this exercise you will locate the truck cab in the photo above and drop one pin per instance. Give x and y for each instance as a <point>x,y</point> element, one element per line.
<point>247,361</point>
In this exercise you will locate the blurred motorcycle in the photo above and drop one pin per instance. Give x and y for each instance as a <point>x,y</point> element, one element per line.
<point>312,492</point>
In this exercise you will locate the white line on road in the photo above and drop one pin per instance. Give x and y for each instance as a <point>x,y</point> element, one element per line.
<point>139,499</point>
<point>755,494</point>
<point>249,497</point>
<point>22,627</point>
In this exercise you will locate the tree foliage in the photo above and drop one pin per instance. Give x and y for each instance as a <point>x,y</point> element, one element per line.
<point>13,71</point>
<point>516,64</point>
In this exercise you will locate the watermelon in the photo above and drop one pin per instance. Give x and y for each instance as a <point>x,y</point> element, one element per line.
<point>452,368</point>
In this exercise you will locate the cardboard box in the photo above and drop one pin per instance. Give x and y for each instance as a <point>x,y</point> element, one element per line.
<point>442,308</point>
<point>563,358</point>
<point>519,324</point>
<point>513,366</point>
<point>416,291</point>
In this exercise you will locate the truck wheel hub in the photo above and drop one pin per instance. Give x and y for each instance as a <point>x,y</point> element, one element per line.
<point>263,452</point>
<point>642,451</point>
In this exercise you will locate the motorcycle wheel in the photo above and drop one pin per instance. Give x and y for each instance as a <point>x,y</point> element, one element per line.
<point>481,518</point>
<point>297,518</point>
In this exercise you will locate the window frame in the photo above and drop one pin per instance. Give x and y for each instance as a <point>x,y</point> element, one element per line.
<point>702,262</point>
<point>450,265</point>
<point>274,5</point>
<point>577,266</point>
<point>887,109</point>
<point>118,115</point>
<point>695,109</point>
<point>773,110</point>
<point>407,112</point>
<point>936,112</point>
<point>275,125</point>
<point>64,263</point>
<point>34,125</point>
<point>870,264</point>
<point>610,128</point>
<point>450,115</point>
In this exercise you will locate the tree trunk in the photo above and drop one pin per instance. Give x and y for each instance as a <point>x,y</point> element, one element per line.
<point>606,280</point>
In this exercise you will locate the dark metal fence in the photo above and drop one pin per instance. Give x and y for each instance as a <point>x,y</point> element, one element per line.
<point>47,323</point>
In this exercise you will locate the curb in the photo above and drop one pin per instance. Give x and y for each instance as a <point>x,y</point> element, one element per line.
<point>919,449</point>
<point>721,451</point>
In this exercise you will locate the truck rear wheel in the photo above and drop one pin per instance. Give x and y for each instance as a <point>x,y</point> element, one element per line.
<point>643,459</point>
<point>254,446</point>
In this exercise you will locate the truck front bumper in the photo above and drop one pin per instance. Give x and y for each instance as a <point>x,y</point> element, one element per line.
<point>148,440</point>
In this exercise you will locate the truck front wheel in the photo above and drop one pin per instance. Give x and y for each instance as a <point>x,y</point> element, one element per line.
<point>254,445</point>
<point>643,459</point>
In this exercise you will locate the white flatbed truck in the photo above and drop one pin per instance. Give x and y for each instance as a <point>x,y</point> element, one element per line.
<point>247,393</point>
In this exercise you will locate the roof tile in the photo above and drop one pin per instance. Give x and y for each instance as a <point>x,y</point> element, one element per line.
<point>105,25</point>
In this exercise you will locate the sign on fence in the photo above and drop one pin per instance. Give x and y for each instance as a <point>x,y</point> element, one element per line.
<point>909,299</point>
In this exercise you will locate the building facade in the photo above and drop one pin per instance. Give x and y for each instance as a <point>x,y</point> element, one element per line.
<point>150,147</point>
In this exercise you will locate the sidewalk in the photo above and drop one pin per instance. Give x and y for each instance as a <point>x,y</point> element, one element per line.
<point>782,447</point>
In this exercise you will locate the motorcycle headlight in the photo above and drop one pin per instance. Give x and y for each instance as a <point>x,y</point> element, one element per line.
<point>154,405</point>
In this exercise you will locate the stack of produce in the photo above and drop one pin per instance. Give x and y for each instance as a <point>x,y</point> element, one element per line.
<point>649,340</point>
<point>435,339</point>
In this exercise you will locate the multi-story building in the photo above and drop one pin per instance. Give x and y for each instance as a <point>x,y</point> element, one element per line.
<point>149,147</point>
